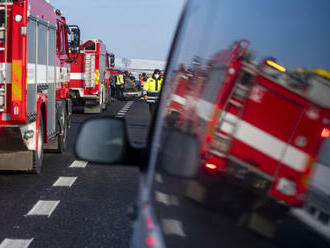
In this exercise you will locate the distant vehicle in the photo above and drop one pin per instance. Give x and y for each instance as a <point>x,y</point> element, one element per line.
<point>35,108</point>
<point>132,91</point>
<point>90,76</point>
<point>242,115</point>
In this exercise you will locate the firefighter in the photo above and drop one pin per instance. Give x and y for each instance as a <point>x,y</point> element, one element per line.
<point>119,85</point>
<point>153,86</point>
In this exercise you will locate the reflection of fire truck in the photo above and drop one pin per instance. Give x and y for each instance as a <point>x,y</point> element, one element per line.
<point>34,74</point>
<point>188,85</point>
<point>265,129</point>
<point>90,76</point>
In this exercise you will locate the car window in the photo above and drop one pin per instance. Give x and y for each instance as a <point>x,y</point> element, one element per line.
<point>194,206</point>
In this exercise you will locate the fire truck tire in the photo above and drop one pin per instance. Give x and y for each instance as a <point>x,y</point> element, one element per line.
<point>38,155</point>
<point>105,99</point>
<point>62,136</point>
<point>104,106</point>
<point>258,224</point>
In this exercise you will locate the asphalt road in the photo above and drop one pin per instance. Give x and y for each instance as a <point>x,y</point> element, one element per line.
<point>90,213</point>
<point>90,208</point>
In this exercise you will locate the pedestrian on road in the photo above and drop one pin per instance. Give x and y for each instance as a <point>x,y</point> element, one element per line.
<point>143,78</point>
<point>152,89</point>
<point>120,86</point>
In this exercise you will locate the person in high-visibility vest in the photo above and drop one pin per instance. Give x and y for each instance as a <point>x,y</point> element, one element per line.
<point>142,79</point>
<point>153,85</point>
<point>119,85</point>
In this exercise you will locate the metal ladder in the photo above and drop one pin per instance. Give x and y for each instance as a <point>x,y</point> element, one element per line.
<point>90,70</point>
<point>240,92</point>
<point>3,67</point>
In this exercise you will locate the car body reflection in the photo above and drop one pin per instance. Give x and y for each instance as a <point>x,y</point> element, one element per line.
<point>242,117</point>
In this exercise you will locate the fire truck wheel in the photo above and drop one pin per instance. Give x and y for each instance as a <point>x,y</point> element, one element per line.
<point>38,155</point>
<point>104,100</point>
<point>63,134</point>
<point>104,106</point>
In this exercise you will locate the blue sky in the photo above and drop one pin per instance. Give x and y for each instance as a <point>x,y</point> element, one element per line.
<point>130,28</point>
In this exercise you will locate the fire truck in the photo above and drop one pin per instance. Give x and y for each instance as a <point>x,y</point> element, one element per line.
<point>264,131</point>
<point>90,76</point>
<point>35,107</point>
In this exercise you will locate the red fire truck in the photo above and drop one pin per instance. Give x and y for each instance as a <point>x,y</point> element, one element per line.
<point>265,128</point>
<point>35,107</point>
<point>90,76</point>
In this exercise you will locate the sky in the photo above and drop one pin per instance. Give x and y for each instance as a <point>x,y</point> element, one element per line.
<point>140,29</point>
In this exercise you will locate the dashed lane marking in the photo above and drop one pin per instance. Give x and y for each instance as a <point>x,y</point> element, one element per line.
<point>43,208</point>
<point>173,227</point>
<point>168,200</point>
<point>16,243</point>
<point>78,164</point>
<point>158,178</point>
<point>124,110</point>
<point>65,182</point>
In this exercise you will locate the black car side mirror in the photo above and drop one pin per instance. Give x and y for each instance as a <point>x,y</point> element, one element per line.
<point>104,140</point>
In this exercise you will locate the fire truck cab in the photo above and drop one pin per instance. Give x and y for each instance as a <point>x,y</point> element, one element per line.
<point>90,76</point>
<point>35,108</point>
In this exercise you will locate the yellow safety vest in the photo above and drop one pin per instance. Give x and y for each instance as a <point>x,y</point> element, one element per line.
<point>120,80</point>
<point>153,85</point>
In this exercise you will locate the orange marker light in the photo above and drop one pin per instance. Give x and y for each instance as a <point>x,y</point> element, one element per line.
<point>325,133</point>
<point>276,66</point>
<point>211,166</point>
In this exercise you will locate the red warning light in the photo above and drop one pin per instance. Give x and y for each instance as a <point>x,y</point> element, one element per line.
<point>150,241</point>
<point>325,133</point>
<point>211,166</point>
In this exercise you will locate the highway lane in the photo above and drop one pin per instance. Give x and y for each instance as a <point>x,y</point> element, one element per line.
<point>85,206</point>
<point>75,204</point>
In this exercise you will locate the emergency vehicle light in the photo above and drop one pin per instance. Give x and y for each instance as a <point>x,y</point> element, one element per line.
<point>325,133</point>
<point>275,65</point>
<point>210,166</point>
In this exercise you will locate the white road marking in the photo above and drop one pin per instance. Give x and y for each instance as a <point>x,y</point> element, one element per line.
<point>43,208</point>
<point>158,178</point>
<point>173,227</point>
<point>123,111</point>
<point>78,164</point>
<point>16,243</point>
<point>65,182</point>
<point>169,200</point>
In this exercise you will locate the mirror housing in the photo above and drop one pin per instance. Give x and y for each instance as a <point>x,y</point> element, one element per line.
<point>112,60</point>
<point>104,140</point>
<point>75,37</point>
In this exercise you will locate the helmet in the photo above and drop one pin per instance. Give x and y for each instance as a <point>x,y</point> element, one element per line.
<point>157,71</point>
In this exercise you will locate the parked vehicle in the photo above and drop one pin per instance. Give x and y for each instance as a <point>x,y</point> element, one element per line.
<point>35,107</point>
<point>90,76</point>
<point>237,132</point>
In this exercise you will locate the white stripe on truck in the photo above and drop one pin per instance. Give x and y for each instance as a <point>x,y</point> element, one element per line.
<point>77,76</point>
<point>266,143</point>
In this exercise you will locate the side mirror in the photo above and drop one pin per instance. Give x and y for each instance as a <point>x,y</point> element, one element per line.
<point>75,36</point>
<point>102,140</point>
<point>112,60</point>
